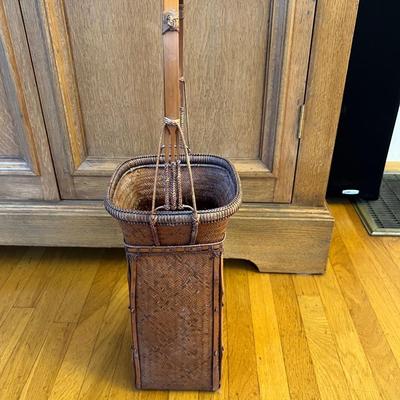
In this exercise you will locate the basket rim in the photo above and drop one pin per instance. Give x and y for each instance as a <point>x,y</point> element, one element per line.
<point>172,217</point>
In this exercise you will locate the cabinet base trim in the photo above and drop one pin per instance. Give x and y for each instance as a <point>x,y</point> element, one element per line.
<point>275,237</point>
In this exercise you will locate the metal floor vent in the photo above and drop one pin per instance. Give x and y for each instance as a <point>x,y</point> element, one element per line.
<point>382,217</point>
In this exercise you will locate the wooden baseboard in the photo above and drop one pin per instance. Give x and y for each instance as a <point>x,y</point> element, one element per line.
<point>392,166</point>
<point>276,238</point>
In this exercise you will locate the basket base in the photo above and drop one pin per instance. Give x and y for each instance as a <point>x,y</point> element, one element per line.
<point>175,302</point>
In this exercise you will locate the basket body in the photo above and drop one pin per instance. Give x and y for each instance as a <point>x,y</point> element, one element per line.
<point>176,295</point>
<point>175,288</point>
<point>218,195</point>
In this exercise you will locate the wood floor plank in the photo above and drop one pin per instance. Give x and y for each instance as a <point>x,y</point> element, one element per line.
<point>17,370</point>
<point>380,298</point>
<point>331,379</point>
<point>180,395</point>
<point>383,260</point>
<point>223,392</point>
<point>32,288</point>
<point>383,363</point>
<point>11,331</point>
<point>97,383</point>
<point>41,379</point>
<point>270,362</point>
<point>71,374</point>
<point>9,258</point>
<point>243,382</point>
<point>360,379</point>
<point>153,395</point>
<point>297,337</point>
<point>122,383</point>
<point>392,244</point>
<point>380,275</point>
<point>299,367</point>
<point>85,265</point>
<point>17,279</point>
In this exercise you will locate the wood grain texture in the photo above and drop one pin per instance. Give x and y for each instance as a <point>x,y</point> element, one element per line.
<point>117,57</point>
<point>13,82</point>
<point>121,385</point>
<point>301,375</point>
<point>100,370</point>
<point>271,370</point>
<point>308,337</point>
<point>10,332</point>
<point>369,301</point>
<point>16,372</point>
<point>331,44</point>
<point>299,28</point>
<point>329,373</point>
<point>72,372</point>
<point>97,103</point>
<point>8,261</point>
<point>101,107</point>
<point>9,146</point>
<point>354,362</point>
<point>43,374</point>
<point>290,239</point>
<point>240,341</point>
<point>26,168</point>
<point>225,76</point>
<point>17,279</point>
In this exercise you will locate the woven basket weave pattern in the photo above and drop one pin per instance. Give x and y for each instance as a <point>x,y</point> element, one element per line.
<point>176,300</point>
<point>175,289</point>
<point>218,196</point>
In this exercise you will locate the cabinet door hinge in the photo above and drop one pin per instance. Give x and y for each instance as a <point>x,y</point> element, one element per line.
<point>301,121</point>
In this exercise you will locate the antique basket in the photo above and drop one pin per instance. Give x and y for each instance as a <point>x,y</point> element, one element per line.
<point>173,209</point>
<point>217,193</point>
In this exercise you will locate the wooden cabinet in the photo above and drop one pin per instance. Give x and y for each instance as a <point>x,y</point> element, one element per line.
<point>90,72</point>
<point>245,66</point>
<point>99,73</point>
<point>26,168</point>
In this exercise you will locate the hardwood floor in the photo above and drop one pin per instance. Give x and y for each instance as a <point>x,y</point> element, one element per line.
<point>64,331</point>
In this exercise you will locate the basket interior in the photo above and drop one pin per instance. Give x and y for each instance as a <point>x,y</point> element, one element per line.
<point>215,186</point>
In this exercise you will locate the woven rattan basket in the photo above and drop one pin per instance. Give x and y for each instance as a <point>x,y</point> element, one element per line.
<point>173,209</point>
<point>217,190</point>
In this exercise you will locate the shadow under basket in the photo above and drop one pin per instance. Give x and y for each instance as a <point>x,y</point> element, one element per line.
<point>129,197</point>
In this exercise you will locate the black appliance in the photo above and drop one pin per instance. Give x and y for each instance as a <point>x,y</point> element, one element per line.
<point>370,101</point>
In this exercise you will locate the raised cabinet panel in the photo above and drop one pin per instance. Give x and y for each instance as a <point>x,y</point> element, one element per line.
<point>8,140</point>
<point>225,62</point>
<point>26,169</point>
<point>99,71</point>
<point>115,55</point>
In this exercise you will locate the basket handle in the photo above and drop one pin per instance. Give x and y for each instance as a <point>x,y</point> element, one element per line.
<point>171,52</point>
<point>172,133</point>
<point>154,209</point>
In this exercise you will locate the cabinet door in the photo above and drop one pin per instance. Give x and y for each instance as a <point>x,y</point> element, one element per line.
<point>99,71</point>
<point>26,169</point>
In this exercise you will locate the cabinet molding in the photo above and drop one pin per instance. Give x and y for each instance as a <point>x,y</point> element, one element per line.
<point>289,239</point>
